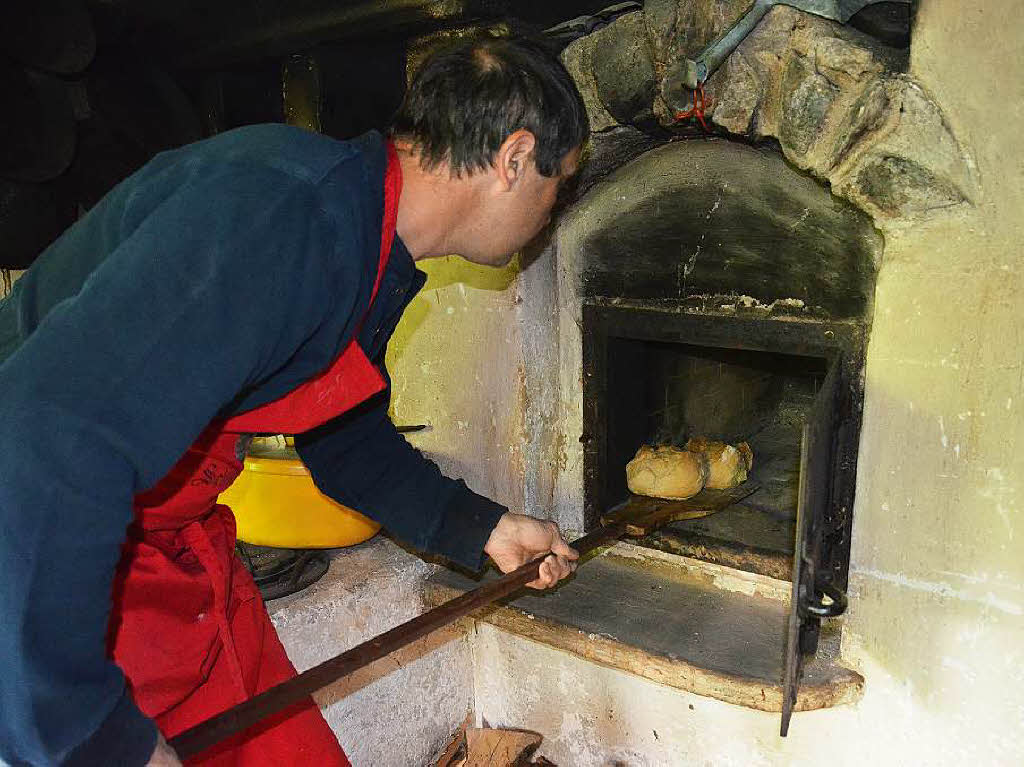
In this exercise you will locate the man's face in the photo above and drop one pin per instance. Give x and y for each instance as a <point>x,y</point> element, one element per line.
<point>517,217</point>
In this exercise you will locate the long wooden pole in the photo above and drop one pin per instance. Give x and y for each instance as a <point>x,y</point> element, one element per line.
<point>215,729</point>
<point>636,516</point>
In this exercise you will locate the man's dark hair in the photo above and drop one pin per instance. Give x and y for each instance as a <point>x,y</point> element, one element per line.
<point>467,99</point>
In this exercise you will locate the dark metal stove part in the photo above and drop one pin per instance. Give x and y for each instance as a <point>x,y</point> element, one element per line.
<point>280,572</point>
<point>812,582</point>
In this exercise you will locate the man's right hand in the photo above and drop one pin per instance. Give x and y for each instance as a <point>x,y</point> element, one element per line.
<point>518,539</point>
<point>163,755</point>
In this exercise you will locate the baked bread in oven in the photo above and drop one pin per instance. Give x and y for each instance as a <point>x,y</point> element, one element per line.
<point>665,471</point>
<point>728,464</point>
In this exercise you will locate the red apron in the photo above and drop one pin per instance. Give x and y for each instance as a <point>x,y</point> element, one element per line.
<point>188,626</point>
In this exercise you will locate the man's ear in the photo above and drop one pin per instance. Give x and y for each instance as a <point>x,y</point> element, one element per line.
<point>514,157</point>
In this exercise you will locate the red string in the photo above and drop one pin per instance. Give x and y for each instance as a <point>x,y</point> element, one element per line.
<point>700,106</point>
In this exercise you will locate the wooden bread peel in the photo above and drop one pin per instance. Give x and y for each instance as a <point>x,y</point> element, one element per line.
<point>642,514</point>
<point>637,516</point>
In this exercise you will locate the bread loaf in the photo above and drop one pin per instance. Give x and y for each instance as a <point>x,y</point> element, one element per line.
<point>668,472</point>
<point>728,465</point>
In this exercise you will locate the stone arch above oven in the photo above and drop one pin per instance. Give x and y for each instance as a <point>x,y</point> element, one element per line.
<point>721,225</point>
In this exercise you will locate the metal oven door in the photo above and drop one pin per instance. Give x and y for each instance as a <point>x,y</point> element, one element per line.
<point>815,596</point>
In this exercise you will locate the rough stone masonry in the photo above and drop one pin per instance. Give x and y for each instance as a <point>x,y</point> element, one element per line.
<point>838,102</point>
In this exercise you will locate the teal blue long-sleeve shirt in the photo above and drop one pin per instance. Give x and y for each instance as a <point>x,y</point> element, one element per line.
<point>215,279</point>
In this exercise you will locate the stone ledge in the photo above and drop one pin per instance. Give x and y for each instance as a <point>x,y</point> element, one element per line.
<point>355,582</point>
<point>402,709</point>
<point>700,628</point>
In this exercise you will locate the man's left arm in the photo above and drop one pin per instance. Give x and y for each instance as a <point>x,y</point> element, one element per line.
<point>361,461</point>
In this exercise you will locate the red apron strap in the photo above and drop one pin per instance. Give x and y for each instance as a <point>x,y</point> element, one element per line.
<point>392,192</point>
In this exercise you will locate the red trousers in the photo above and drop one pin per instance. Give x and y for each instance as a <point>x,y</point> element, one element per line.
<point>194,638</point>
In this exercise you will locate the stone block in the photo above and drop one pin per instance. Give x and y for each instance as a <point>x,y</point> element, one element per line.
<point>766,51</point>
<point>900,186</point>
<point>660,20</point>
<point>799,79</point>
<point>740,98</point>
<point>623,70</point>
<point>846,64</point>
<point>577,59</point>
<point>680,30</point>
<point>401,709</point>
<point>808,98</point>
<point>863,116</point>
<point>910,164</point>
<point>814,75</point>
<point>685,27</point>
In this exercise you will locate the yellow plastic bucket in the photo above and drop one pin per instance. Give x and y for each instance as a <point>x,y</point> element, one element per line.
<point>277,504</point>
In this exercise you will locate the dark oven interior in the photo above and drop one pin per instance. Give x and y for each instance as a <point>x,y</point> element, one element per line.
<point>661,377</point>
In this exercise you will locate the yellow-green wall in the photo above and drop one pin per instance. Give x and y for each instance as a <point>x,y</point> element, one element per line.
<point>455,360</point>
<point>14,275</point>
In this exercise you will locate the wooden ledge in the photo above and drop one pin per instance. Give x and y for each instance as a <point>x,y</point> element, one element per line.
<point>678,624</point>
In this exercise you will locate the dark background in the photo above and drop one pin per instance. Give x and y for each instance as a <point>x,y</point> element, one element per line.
<point>91,89</point>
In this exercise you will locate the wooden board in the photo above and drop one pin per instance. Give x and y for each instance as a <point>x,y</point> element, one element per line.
<point>489,747</point>
<point>644,514</point>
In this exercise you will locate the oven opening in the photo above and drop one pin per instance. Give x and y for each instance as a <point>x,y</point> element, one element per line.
<point>655,378</point>
<point>667,393</point>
